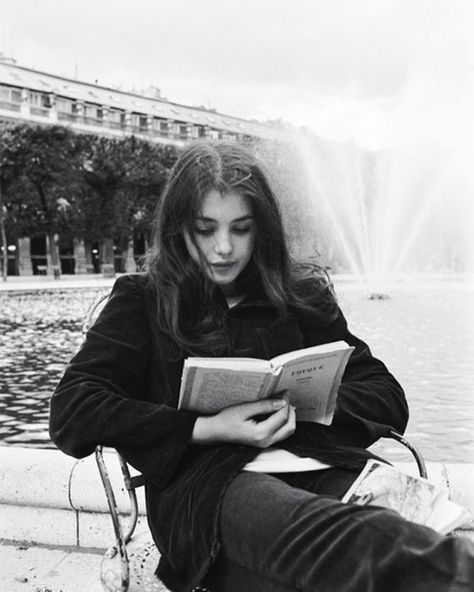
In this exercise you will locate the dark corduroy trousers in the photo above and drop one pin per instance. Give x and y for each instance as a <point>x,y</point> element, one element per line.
<point>288,532</point>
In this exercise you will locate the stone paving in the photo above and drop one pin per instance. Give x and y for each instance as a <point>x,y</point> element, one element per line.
<point>29,568</point>
<point>38,282</point>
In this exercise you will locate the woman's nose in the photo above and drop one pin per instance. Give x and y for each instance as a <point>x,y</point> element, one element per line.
<point>223,243</point>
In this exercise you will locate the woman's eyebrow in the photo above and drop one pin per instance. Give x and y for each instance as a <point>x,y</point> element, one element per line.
<point>244,218</point>
<point>241,219</point>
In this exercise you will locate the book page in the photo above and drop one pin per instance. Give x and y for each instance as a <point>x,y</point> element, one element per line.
<point>314,350</point>
<point>208,390</point>
<point>448,515</point>
<point>415,498</point>
<point>312,381</point>
<point>250,364</point>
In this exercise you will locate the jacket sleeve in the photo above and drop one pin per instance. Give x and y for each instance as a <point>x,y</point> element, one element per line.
<point>370,400</point>
<point>100,398</point>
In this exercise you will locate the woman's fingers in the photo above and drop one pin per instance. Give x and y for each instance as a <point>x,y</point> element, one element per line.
<point>276,420</point>
<point>287,428</point>
<point>263,407</point>
<point>276,427</point>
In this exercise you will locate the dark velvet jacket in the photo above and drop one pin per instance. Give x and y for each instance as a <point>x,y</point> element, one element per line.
<point>121,390</point>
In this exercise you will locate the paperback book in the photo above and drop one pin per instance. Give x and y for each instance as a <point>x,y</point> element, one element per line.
<point>310,377</point>
<point>415,498</point>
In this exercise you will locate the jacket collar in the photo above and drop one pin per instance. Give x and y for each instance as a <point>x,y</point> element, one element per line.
<point>280,335</point>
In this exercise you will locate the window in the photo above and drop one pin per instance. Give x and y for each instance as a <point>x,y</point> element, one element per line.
<point>10,95</point>
<point>134,120</point>
<point>15,95</point>
<point>65,105</point>
<point>91,111</point>
<point>4,93</point>
<point>114,115</point>
<point>38,99</point>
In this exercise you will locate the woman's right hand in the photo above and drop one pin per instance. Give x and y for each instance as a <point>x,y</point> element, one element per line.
<point>243,424</point>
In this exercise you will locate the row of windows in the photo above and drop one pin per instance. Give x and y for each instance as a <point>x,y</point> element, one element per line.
<point>70,109</point>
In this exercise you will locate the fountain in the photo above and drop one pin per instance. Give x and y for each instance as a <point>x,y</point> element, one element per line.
<point>383,217</point>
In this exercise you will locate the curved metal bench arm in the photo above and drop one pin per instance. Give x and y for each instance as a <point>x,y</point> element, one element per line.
<point>121,539</point>
<point>414,450</point>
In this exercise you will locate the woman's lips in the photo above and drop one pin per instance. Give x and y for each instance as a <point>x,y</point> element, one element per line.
<point>223,266</point>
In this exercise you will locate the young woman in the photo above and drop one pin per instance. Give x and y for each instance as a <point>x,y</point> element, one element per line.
<point>219,282</point>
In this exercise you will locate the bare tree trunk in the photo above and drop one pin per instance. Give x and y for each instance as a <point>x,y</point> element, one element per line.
<point>107,263</point>
<point>4,239</point>
<point>5,249</point>
<point>54,250</point>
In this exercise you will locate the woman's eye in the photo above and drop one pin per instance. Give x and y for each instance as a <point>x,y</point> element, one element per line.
<point>242,229</point>
<point>203,231</point>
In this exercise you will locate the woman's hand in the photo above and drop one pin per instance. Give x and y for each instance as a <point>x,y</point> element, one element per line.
<point>243,424</point>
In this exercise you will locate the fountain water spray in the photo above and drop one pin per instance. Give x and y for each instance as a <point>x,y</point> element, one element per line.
<point>388,213</point>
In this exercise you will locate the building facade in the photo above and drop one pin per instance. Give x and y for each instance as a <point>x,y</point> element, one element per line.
<point>40,98</point>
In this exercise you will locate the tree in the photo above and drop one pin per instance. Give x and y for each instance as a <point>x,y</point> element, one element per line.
<point>68,185</point>
<point>7,174</point>
<point>47,163</point>
<point>10,189</point>
<point>125,177</point>
<point>147,170</point>
<point>3,214</point>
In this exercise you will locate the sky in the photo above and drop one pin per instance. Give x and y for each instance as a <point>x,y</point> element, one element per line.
<point>381,73</point>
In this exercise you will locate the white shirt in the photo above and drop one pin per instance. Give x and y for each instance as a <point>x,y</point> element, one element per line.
<point>277,460</point>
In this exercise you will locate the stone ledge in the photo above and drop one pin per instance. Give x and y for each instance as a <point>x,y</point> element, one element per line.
<point>40,488</point>
<point>43,487</point>
<point>50,479</point>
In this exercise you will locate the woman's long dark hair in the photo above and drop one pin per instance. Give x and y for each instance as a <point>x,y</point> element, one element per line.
<point>184,293</point>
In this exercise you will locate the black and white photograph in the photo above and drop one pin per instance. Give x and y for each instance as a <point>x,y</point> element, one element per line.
<point>237,296</point>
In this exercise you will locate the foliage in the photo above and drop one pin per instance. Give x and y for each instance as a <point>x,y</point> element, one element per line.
<point>56,182</point>
<point>125,178</point>
<point>42,162</point>
<point>45,162</point>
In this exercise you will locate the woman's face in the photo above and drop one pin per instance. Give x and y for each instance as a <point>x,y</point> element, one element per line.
<point>224,232</point>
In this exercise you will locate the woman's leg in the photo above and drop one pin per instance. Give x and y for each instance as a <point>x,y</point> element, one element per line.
<point>280,538</point>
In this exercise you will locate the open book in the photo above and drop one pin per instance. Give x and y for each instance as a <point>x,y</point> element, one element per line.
<point>311,376</point>
<point>415,498</point>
